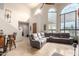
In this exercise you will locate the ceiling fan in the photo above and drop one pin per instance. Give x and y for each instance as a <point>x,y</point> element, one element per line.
<point>42,5</point>
<point>50,3</point>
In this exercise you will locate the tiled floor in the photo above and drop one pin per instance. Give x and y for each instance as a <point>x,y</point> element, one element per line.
<point>24,49</point>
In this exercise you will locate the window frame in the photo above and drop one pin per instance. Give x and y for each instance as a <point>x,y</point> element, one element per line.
<point>76,29</point>
<point>52,30</point>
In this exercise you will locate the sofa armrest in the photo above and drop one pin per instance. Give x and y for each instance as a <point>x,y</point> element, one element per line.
<point>36,44</point>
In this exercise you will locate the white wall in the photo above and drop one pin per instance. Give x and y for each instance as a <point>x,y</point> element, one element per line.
<point>4,25</point>
<point>39,20</point>
<point>42,18</point>
<point>20,12</point>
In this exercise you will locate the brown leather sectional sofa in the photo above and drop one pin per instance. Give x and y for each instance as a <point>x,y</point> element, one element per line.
<point>59,38</point>
<point>37,40</point>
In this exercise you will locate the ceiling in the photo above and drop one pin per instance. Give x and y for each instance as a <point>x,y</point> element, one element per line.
<point>32,5</point>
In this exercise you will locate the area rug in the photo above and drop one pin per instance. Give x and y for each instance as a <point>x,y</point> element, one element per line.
<point>57,54</point>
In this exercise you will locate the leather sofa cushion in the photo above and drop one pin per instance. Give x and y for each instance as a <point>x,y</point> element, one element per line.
<point>39,35</point>
<point>35,36</point>
<point>64,35</point>
<point>42,34</point>
<point>61,35</point>
<point>52,37</point>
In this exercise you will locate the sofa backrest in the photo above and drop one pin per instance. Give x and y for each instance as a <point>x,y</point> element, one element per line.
<point>34,36</point>
<point>42,34</point>
<point>61,35</point>
<point>48,34</point>
<point>64,35</point>
<point>39,35</point>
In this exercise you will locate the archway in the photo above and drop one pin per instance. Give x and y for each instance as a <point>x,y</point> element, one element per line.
<point>52,20</point>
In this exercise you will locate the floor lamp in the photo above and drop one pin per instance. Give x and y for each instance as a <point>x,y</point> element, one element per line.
<point>75,38</point>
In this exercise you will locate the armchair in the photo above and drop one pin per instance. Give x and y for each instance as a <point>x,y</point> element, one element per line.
<point>36,42</point>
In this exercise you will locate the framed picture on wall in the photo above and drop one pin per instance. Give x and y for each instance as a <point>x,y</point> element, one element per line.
<point>8,15</point>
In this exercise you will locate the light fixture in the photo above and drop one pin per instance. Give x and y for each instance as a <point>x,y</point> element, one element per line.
<point>38,11</point>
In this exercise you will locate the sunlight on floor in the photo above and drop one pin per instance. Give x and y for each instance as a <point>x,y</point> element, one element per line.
<point>24,49</point>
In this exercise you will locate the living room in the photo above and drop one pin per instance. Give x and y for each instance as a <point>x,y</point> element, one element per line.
<point>53,21</point>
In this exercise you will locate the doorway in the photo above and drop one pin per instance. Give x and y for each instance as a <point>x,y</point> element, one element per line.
<point>25,28</point>
<point>34,27</point>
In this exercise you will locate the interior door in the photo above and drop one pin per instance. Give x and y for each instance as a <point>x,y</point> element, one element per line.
<point>34,28</point>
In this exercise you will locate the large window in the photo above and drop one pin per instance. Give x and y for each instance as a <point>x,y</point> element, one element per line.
<point>78,23</point>
<point>52,20</point>
<point>69,19</point>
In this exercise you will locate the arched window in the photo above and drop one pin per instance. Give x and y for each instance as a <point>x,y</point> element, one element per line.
<point>52,20</point>
<point>69,8</point>
<point>69,19</point>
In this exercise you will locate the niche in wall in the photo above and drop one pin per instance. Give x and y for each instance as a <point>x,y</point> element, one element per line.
<point>44,27</point>
<point>24,28</point>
